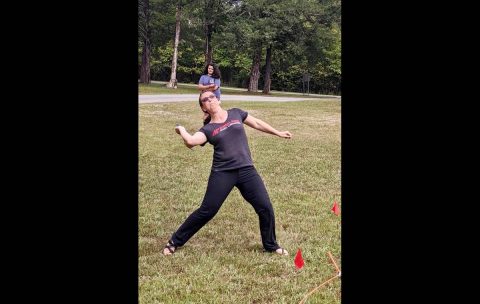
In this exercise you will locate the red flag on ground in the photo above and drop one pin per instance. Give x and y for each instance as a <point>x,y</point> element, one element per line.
<point>335,209</point>
<point>299,260</point>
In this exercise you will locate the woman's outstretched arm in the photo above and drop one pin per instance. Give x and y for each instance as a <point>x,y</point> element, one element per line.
<point>191,140</point>
<point>260,125</point>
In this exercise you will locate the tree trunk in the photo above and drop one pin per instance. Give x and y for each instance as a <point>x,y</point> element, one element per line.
<point>255,71</point>
<point>145,31</point>
<point>173,77</point>
<point>145,68</point>
<point>268,71</point>
<point>208,43</point>
<point>208,27</point>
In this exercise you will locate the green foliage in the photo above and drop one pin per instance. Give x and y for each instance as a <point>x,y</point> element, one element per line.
<point>305,37</point>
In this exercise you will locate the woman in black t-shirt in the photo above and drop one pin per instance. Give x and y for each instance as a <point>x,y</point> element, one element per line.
<point>232,166</point>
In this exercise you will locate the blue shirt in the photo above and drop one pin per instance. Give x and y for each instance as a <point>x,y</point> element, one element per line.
<point>208,80</point>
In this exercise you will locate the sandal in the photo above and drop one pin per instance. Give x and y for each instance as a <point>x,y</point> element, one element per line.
<point>171,248</point>
<point>281,251</point>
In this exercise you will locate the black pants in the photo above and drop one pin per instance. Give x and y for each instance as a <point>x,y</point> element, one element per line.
<point>220,184</point>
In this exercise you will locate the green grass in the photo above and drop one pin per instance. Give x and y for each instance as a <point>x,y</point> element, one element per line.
<point>160,88</point>
<point>224,262</point>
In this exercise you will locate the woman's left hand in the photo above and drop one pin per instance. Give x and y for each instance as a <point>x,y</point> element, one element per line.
<point>285,134</point>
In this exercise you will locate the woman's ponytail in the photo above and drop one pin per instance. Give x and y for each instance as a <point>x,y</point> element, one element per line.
<point>206,116</point>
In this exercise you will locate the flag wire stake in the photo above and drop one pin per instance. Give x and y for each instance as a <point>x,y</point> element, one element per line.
<point>339,273</point>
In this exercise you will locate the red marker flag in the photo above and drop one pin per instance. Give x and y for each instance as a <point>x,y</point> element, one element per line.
<point>299,260</point>
<point>335,209</point>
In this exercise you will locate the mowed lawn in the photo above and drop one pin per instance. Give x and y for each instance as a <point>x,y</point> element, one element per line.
<point>190,88</point>
<point>224,262</point>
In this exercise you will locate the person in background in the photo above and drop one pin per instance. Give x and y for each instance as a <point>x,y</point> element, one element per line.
<point>210,80</point>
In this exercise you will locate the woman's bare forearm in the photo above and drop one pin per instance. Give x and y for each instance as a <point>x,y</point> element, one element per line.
<point>261,125</point>
<point>190,140</point>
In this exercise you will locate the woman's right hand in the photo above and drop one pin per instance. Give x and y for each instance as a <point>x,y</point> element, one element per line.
<point>177,129</point>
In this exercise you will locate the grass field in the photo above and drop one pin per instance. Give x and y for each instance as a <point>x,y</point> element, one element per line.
<point>224,262</point>
<point>159,88</point>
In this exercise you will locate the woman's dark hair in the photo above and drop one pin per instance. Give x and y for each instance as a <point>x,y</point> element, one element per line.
<point>206,120</point>
<point>216,70</point>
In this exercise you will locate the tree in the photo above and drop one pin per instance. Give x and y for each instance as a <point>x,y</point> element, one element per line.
<point>215,14</point>
<point>268,71</point>
<point>307,39</point>
<point>255,70</point>
<point>266,23</point>
<point>173,76</point>
<point>250,26</point>
<point>144,33</point>
<point>208,28</point>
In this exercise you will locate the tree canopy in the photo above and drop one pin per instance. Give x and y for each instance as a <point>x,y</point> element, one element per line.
<point>287,38</point>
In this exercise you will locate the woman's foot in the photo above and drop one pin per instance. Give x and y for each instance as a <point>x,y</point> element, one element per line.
<point>169,249</point>
<point>281,251</point>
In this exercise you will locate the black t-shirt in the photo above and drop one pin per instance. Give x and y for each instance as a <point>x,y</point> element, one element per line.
<point>229,140</point>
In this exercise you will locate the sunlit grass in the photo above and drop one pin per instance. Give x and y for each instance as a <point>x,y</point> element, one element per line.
<point>160,88</point>
<point>224,262</point>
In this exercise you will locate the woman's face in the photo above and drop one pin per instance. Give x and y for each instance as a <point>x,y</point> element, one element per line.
<point>209,101</point>
<point>210,70</point>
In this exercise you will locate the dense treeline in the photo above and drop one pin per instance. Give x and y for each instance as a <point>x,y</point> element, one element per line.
<point>258,44</point>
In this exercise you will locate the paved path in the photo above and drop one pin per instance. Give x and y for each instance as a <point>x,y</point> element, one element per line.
<point>194,98</point>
